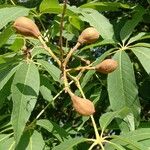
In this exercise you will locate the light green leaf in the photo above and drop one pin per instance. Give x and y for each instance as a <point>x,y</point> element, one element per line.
<point>8,14</point>
<point>76,22</point>
<point>51,69</point>
<point>6,143</point>
<point>31,141</point>
<point>25,89</point>
<point>136,38</point>
<point>6,74</point>
<point>17,45</point>
<point>46,4</point>
<point>131,142</point>
<point>122,88</point>
<point>143,54</point>
<point>69,144</point>
<point>129,26</point>
<point>141,45</point>
<point>106,6</point>
<point>139,134</point>
<point>103,26</point>
<point>54,128</point>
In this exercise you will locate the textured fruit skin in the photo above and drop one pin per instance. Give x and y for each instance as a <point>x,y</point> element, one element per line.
<point>26,27</point>
<point>107,66</point>
<point>89,35</point>
<point>83,106</point>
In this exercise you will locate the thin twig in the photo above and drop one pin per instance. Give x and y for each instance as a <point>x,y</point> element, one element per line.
<point>49,51</point>
<point>61,28</point>
<point>12,2</point>
<point>70,54</point>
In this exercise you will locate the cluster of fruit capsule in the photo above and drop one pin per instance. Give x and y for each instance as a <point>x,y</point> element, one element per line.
<point>27,27</point>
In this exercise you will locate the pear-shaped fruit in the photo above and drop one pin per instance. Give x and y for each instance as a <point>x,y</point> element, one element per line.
<point>83,106</point>
<point>107,66</point>
<point>89,35</point>
<point>26,27</point>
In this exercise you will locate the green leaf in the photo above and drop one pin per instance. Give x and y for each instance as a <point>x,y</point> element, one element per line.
<point>6,142</point>
<point>69,144</point>
<point>25,89</point>
<point>129,26</point>
<point>8,14</point>
<point>4,36</point>
<point>46,4</point>
<point>139,134</point>
<point>143,54</point>
<point>101,43</point>
<point>17,45</point>
<point>45,89</point>
<point>131,142</point>
<point>107,118</point>
<point>103,26</point>
<point>136,38</point>
<point>54,128</point>
<point>51,69</point>
<point>6,74</point>
<point>31,141</point>
<point>106,6</point>
<point>122,87</point>
<point>76,22</point>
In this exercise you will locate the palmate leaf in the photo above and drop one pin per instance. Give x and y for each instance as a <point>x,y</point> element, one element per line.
<point>25,89</point>
<point>8,14</point>
<point>143,54</point>
<point>122,87</point>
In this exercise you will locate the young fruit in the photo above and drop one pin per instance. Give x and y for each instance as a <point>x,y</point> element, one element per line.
<point>107,66</point>
<point>27,27</point>
<point>89,35</point>
<point>83,106</point>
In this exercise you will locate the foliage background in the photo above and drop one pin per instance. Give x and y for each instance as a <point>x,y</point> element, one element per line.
<point>122,98</point>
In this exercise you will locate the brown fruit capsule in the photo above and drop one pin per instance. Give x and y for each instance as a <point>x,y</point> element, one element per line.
<point>26,27</point>
<point>89,35</point>
<point>107,66</point>
<point>83,106</point>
